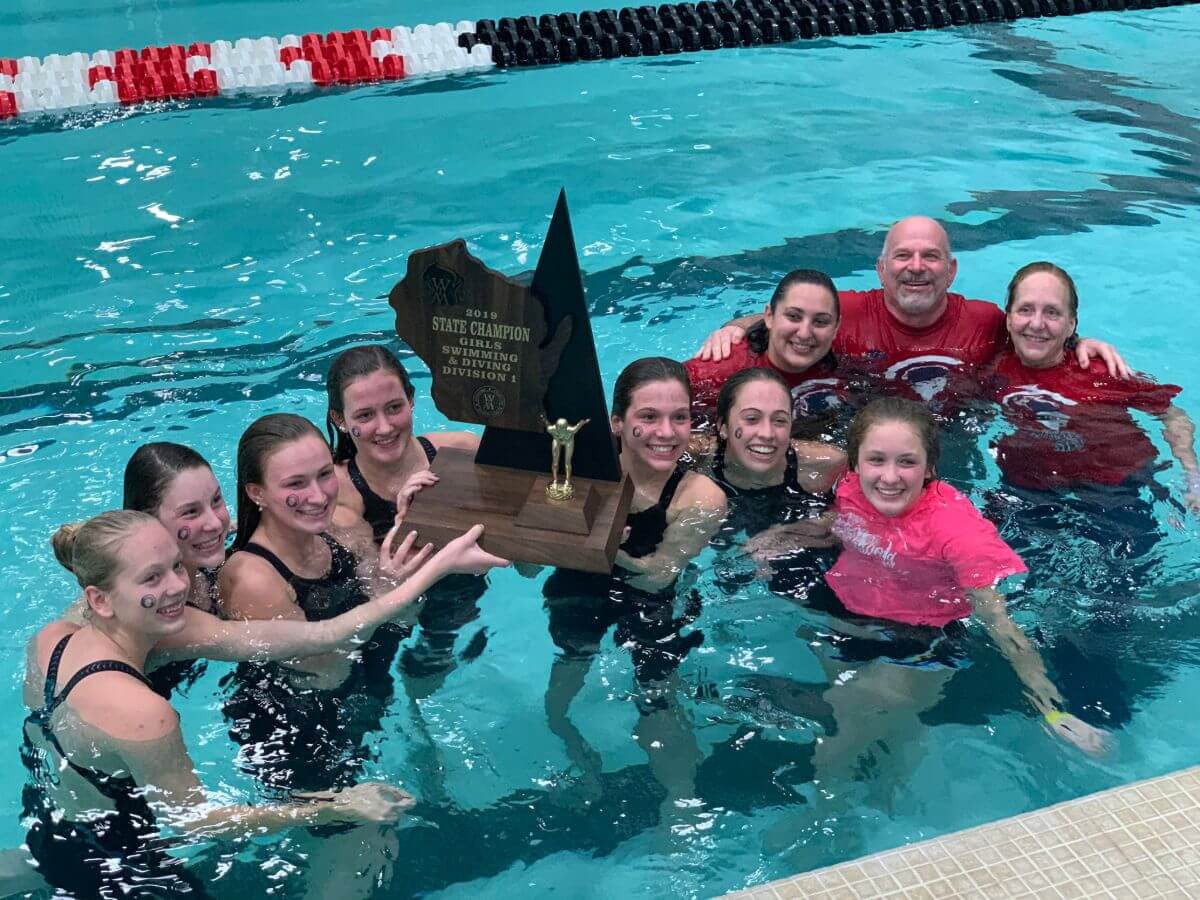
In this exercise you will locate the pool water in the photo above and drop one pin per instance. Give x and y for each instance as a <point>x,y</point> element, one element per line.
<point>172,276</point>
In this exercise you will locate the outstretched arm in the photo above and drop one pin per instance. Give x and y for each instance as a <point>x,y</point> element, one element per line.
<point>1027,663</point>
<point>1180,434</point>
<point>204,635</point>
<point>159,762</point>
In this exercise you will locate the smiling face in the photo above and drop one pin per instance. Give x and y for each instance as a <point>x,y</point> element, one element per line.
<point>1040,319</point>
<point>193,509</point>
<point>801,327</point>
<point>892,467</point>
<point>299,488</point>
<point>916,270</point>
<point>759,429</point>
<point>656,427</point>
<point>150,590</point>
<point>378,409</point>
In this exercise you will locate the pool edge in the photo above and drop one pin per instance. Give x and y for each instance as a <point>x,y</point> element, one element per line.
<point>1136,840</point>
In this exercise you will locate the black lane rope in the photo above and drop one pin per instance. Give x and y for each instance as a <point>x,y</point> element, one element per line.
<point>691,27</point>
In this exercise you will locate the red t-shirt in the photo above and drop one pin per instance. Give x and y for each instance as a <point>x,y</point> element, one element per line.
<point>916,567</point>
<point>1072,425</point>
<point>815,391</point>
<point>924,361</point>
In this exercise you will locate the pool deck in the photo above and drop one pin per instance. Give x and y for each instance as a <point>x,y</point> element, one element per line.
<point>1138,840</point>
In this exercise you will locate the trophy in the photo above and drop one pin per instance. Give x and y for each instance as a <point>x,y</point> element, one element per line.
<point>519,360</point>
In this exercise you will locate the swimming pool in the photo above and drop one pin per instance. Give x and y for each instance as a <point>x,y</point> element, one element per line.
<point>176,275</point>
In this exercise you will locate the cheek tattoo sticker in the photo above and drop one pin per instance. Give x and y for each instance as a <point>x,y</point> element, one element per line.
<point>737,433</point>
<point>637,431</point>
<point>148,601</point>
<point>183,533</point>
<point>356,431</point>
<point>292,501</point>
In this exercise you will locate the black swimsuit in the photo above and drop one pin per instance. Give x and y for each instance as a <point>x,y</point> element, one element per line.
<point>304,738</point>
<point>584,605</point>
<point>754,510</point>
<point>379,512</point>
<point>77,857</point>
<point>450,605</point>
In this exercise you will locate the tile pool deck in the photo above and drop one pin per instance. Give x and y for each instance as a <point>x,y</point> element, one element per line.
<point>1138,840</point>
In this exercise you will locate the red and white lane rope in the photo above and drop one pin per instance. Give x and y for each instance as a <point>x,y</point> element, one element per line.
<point>62,83</point>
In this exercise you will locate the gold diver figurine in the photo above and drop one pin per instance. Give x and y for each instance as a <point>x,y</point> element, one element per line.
<point>563,436</point>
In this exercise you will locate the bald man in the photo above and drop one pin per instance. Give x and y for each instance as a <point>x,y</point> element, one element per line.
<point>913,330</point>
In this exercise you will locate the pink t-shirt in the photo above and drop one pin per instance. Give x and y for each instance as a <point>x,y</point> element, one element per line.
<point>916,567</point>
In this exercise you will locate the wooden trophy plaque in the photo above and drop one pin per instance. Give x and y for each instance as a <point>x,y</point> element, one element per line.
<point>514,358</point>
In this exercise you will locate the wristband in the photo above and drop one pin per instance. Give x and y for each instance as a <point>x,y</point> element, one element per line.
<point>1054,716</point>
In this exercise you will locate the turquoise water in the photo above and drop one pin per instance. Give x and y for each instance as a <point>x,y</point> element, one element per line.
<point>173,276</point>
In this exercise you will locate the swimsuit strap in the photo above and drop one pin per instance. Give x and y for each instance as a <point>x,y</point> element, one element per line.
<point>52,672</point>
<point>358,480</point>
<point>427,446</point>
<point>791,477</point>
<point>668,491</point>
<point>94,668</point>
<point>337,554</point>
<point>276,563</point>
<point>52,701</point>
<point>120,791</point>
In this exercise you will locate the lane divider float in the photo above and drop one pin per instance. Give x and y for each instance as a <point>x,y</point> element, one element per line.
<point>62,83</point>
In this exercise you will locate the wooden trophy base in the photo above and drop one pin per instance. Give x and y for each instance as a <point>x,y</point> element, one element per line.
<point>520,522</point>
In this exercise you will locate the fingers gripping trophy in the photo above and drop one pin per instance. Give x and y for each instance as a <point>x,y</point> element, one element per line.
<point>562,434</point>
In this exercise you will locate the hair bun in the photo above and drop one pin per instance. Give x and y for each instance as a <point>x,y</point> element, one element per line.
<point>63,542</point>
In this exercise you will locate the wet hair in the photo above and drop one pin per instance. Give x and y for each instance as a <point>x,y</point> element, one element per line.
<point>894,409</point>
<point>1043,266</point>
<point>806,276</point>
<point>643,371</point>
<point>738,380</point>
<point>151,470</point>
<point>264,437</point>
<point>91,550</point>
<point>349,366</point>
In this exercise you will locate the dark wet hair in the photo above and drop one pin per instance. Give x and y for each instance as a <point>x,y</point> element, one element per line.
<point>152,468</point>
<point>642,372</point>
<point>349,366</point>
<point>259,441</point>
<point>807,276</point>
<point>1043,266</point>
<point>894,409</point>
<point>738,380</point>
<point>91,550</point>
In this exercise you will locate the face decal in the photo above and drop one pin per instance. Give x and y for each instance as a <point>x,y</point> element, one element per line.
<point>148,601</point>
<point>656,426</point>
<point>183,533</point>
<point>356,431</point>
<point>292,501</point>
<point>759,427</point>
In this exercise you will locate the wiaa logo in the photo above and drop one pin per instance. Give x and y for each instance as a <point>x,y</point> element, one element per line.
<point>442,286</point>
